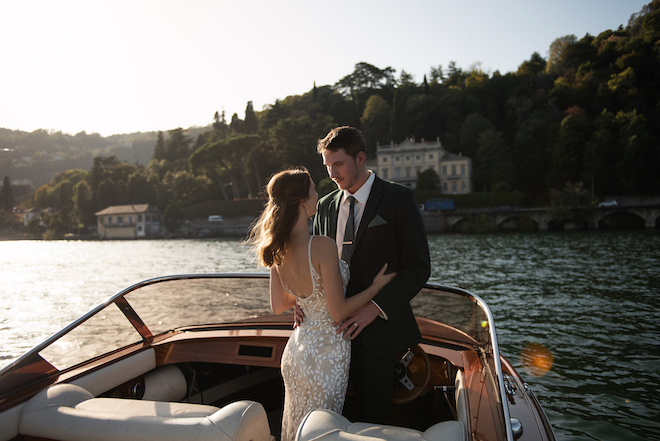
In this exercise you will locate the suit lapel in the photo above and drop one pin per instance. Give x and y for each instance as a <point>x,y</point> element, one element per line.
<point>333,213</point>
<point>369,210</point>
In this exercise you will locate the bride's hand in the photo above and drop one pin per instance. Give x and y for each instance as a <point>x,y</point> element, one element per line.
<point>383,279</point>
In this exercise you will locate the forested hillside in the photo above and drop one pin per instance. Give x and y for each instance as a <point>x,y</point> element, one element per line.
<point>585,118</point>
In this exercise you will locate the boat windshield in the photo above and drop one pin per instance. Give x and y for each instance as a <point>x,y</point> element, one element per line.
<point>164,304</point>
<point>172,303</point>
<point>160,305</point>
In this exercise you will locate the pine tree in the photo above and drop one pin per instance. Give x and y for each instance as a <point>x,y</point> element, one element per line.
<point>159,150</point>
<point>6,195</point>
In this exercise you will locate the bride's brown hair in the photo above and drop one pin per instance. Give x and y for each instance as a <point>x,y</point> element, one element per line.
<point>271,232</point>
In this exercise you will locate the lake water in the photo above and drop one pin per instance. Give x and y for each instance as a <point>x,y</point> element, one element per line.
<point>591,298</point>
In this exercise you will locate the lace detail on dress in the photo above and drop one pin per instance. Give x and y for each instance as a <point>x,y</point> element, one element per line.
<point>316,360</point>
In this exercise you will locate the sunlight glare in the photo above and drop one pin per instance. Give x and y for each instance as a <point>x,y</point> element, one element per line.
<point>536,359</point>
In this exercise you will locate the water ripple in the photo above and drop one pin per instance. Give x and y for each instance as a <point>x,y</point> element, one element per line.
<point>591,298</point>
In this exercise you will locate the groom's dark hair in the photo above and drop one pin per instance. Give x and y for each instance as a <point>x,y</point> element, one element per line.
<point>345,137</point>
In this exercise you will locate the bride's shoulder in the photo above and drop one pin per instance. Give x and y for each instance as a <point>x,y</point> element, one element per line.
<point>324,247</point>
<point>321,241</point>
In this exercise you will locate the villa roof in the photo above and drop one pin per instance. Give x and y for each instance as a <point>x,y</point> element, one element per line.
<point>453,157</point>
<point>128,209</point>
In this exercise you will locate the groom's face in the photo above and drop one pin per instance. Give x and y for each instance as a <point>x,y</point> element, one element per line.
<point>343,169</point>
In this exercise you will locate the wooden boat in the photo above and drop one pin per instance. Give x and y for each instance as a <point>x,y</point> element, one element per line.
<point>197,357</point>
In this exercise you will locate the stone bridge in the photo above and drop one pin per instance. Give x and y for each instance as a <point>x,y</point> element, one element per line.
<point>592,217</point>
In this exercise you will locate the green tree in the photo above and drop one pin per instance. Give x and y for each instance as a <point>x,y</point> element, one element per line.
<point>177,145</point>
<point>471,129</point>
<point>174,216</point>
<point>225,162</point>
<point>637,159</point>
<point>376,123</point>
<point>400,123</point>
<point>531,158</point>
<point>294,142</point>
<point>568,152</point>
<point>492,163</point>
<point>366,80</point>
<point>250,125</point>
<point>220,126</point>
<point>185,188</point>
<point>428,180</point>
<point>558,60</point>
<point>159,151</point>
<point>600,156</point>
<point>6,195</point>
<point>83,203</point>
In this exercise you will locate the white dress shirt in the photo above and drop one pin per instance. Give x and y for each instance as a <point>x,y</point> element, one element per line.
<point>361,197</point>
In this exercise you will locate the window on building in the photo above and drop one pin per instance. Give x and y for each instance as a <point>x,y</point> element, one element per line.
<point>130,220</point>
<point>109,221</point>
<point>407,172</point>
<point>407,158</point>
<point>463,169</point>
<point>397,159</point>
<point>139,228</point>
<point>147,218</point>
<point>418,169</point>
<point>444,187</point>
<point>453,187</point>
<point>444,170</point>
<point>453,169</point>
<point>397,172</point>
<point>139,218</point>
<point>430,155</point>
<point>463,187</point>
<point>120,220</point>
<point>418,157</point>
<point>385,173</point>
<point>384,158</point>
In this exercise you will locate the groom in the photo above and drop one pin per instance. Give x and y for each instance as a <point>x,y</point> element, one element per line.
<point>387,228</point>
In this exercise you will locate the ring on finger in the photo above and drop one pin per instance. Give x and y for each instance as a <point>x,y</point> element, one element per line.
<point>356,325</point>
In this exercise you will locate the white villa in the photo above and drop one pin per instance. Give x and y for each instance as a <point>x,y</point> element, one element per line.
<point>130,222</point>
<point>403,162</point>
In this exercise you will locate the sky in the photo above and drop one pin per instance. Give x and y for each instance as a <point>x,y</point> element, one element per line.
<point>119,66</point>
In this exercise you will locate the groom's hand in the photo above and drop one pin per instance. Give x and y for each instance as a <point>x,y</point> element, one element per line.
<point>352,326</point>
<point>298,316</point>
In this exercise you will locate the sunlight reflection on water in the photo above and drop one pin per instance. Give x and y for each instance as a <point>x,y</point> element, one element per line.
<point>592,299</point>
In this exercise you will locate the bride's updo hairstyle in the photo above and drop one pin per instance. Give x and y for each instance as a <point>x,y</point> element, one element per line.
<point>271,233</point>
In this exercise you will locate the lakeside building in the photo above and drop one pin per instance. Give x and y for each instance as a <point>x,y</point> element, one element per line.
<point>130,222</point>
<point>402,163</point>
<point>32,213</point>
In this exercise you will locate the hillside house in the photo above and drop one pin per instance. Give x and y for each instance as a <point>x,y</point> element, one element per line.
<point>403,162</point>
<point>130,222</point>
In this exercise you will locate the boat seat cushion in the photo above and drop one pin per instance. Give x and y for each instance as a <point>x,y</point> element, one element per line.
<point>66,411</point>
<point>326,425</point>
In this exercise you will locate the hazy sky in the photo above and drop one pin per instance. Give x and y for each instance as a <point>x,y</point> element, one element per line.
<point>125,66</point>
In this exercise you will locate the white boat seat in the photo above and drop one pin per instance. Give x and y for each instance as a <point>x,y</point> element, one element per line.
<point>326,425</point>
<point>67,411</point>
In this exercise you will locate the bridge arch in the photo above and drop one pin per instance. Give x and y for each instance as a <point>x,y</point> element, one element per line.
<point>517,222</point>
<point>622,219</point>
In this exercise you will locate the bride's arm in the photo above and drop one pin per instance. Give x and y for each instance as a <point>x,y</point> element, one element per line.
<point>324,252</point>
<point>280,300</point>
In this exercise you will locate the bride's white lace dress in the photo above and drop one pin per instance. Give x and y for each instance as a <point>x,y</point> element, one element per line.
<point>316,360</point>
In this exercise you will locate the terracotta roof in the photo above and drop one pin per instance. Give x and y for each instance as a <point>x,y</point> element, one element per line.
<point>128,209</point>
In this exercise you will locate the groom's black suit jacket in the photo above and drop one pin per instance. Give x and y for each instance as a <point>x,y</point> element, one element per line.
<point>391,231</point>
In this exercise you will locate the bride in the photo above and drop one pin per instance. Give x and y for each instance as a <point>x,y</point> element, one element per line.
<point>305,270</point>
